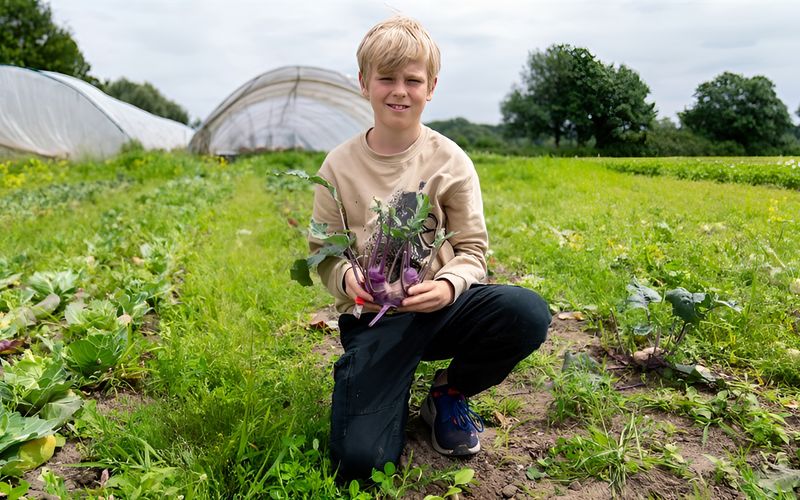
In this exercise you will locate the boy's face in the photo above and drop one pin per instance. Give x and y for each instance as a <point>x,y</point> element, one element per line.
<point>398,98</point>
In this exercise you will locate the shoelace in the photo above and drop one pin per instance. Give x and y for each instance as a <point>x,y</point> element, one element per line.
<point>464,416</point>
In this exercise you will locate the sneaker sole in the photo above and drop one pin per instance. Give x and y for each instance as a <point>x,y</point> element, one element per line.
<point>428,414</point>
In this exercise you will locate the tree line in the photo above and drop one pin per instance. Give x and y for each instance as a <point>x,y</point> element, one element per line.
<point>570,102</point>
<point>29,38</point>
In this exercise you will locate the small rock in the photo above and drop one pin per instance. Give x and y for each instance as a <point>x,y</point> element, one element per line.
<point>575,485</point>
<point>509,491</point>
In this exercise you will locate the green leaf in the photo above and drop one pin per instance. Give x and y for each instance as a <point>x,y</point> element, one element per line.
<point>299,272</point>
<point>696,373</point>
<point>96,353</point>
<point>316,179</point>
<point>16,429</point>
<point>534,474</point>
<point>463,476</point>
<point>46,307</point>
<point>28,456</point>
<point>14,493</point>
<point>684,304</point>
<point>640,295</point>
<point>389,468</point>
<point>780,479</point>
<point>36,380</point>
<point>62,409</point>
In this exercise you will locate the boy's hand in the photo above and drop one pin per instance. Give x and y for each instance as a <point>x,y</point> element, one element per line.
<point>428,296</point>
<point>353,288</point>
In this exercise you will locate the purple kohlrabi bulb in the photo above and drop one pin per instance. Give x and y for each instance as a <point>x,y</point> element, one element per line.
<point>410,276</point>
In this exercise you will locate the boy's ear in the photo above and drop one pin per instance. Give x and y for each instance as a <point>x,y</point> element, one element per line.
<point>363,85</point>
<point>433,86</point>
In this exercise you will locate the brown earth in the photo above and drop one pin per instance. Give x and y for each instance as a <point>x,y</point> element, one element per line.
<point>508,450</point>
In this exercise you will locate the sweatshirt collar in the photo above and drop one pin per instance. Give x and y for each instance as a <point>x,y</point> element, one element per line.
<point>400,157</point>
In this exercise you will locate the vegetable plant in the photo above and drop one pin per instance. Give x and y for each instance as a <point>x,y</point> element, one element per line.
<point>38,385</point>
<point>386,270</point>
<point>688,310</point>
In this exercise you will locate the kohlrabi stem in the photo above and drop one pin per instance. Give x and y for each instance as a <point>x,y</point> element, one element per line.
<point>380,313</point>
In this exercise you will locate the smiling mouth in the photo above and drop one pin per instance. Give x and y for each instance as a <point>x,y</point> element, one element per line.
<point>398,107</point>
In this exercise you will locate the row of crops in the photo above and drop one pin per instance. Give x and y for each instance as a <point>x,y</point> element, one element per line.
<point>79,309</point>
<point>776,171</point>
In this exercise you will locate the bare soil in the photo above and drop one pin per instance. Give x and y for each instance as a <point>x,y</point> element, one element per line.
<point>508,450</point>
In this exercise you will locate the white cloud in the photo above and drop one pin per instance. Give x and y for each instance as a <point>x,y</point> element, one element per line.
<point>198,52</point>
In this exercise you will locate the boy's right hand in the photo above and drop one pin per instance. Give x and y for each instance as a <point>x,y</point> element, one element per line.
<point>352,286</point>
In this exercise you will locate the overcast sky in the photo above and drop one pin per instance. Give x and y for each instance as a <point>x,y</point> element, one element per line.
<point>198,52</point>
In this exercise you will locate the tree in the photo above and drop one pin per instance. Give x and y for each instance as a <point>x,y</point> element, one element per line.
<point>470,135</point>
<point>147,97</point>
<point>797,128</point>
<point>744,110</point>
<point>542,105</point>
<point>29,38</point>
<point>567,92</point>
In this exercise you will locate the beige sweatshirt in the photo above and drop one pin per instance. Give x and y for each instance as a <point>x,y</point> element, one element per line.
<point>446,175</point>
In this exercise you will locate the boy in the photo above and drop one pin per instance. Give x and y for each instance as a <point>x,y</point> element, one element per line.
<point>486,329</point>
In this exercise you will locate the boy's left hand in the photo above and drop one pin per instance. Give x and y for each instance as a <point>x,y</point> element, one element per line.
<point>428,296</point>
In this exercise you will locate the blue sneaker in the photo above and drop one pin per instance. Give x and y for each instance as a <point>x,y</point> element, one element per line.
<point>454,426</point>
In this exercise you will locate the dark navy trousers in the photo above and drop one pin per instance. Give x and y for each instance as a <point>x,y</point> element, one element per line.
<point>486,332</point>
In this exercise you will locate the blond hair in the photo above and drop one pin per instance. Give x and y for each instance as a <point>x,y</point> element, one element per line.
<point>395,42</point>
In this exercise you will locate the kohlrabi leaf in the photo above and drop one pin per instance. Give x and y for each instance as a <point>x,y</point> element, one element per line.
<point>685,305</point>
<point>299,272</point>
<point>640,295</point>
<point>316,179</point>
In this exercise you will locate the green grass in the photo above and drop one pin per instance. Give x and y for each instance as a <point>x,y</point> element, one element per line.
<point>579,233</point>
<point>235,399</point>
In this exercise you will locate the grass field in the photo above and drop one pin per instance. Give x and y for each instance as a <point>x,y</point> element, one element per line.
<point>178,358</point>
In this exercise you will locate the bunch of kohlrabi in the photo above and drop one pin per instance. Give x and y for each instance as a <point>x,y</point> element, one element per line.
<point>386,270</point>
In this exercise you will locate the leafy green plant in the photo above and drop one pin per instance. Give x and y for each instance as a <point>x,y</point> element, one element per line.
<point>96,353</point>
<point>97,314</point>
<point>61,283</point>
<point>688,309</point>
<point>36,385</point>
<point>458,481</point>
<point>394,483</point>
<point>16,432</point>
<point>53,483</point>
<point>724,410</point>
<point>12,492</point>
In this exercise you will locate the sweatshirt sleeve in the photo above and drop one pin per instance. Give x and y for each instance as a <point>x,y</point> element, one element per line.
<point>464,213</point>
<point>332,269</point>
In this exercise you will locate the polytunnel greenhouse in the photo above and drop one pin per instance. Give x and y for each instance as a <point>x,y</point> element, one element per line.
<point>293,107</point>
<point>58,116</point>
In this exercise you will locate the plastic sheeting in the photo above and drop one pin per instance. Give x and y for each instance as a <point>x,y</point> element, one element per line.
<point>293,107</point>
<point>55,115</point>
